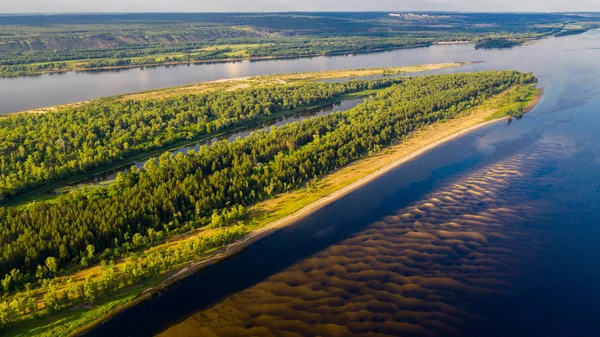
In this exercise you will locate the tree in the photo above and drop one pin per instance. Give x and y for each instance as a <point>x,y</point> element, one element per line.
<point>90,251</point>
<point>7,314</point>
<point>63,251</point>
<point>7,283</point>
<point>91,289</point>
<point>51,299</point>
<point>51,265</point>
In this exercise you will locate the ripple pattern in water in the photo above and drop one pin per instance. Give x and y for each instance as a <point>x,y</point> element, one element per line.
<point>413,273</point>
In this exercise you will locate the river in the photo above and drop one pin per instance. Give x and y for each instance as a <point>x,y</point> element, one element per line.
<point>493,234</point>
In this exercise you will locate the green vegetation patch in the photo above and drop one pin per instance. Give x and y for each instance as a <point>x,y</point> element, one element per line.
<point>68,320</point>
<point>516,102</point>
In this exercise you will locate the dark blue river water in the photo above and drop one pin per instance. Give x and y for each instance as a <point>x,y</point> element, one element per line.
<point>494,234</point>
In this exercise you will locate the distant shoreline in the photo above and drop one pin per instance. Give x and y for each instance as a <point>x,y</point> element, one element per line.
<point>224,60</point>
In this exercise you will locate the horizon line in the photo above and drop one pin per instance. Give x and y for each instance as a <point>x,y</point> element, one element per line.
<point>297,11</point>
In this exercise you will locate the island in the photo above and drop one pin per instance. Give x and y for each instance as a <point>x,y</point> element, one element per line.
<point>73,259</point>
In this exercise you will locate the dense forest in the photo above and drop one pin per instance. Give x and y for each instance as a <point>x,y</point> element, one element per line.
<point>497,43</point>
<point>37,44</point>
<point>306,47</point>
<point>39,148</point>
<point>177,193</point>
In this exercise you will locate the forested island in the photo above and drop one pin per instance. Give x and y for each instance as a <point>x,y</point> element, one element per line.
<point>41,148</point>
<point>35,44</point>
<point>77,256</point>
<point>77,140</point>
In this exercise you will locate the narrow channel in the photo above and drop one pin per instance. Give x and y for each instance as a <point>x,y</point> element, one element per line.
<point>109,176</point>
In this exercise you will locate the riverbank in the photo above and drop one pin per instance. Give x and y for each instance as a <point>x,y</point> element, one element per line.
<point>209,61</point>
<point>290,78</point>
<point>534,101</point>
<point>236,82</point>
<point>286,209</point>
<point>76,65</point>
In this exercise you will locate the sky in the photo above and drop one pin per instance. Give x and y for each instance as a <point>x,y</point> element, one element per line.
<point>54,6</point>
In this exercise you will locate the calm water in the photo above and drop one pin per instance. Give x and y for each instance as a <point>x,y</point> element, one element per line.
<point>494,234</point>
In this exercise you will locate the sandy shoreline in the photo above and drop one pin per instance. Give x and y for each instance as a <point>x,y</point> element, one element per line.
<point>281,223</point>
<point>317,205</point>
<point>75,104</point>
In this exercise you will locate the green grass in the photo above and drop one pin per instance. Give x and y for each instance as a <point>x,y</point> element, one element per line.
<point>516,102</point>
<point>64,322</point>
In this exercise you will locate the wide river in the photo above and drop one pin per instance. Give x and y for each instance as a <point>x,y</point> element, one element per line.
<point>494,234</point>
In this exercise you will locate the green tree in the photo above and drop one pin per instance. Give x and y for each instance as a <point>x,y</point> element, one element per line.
<point>90,251</point>
<point>51,264</point>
